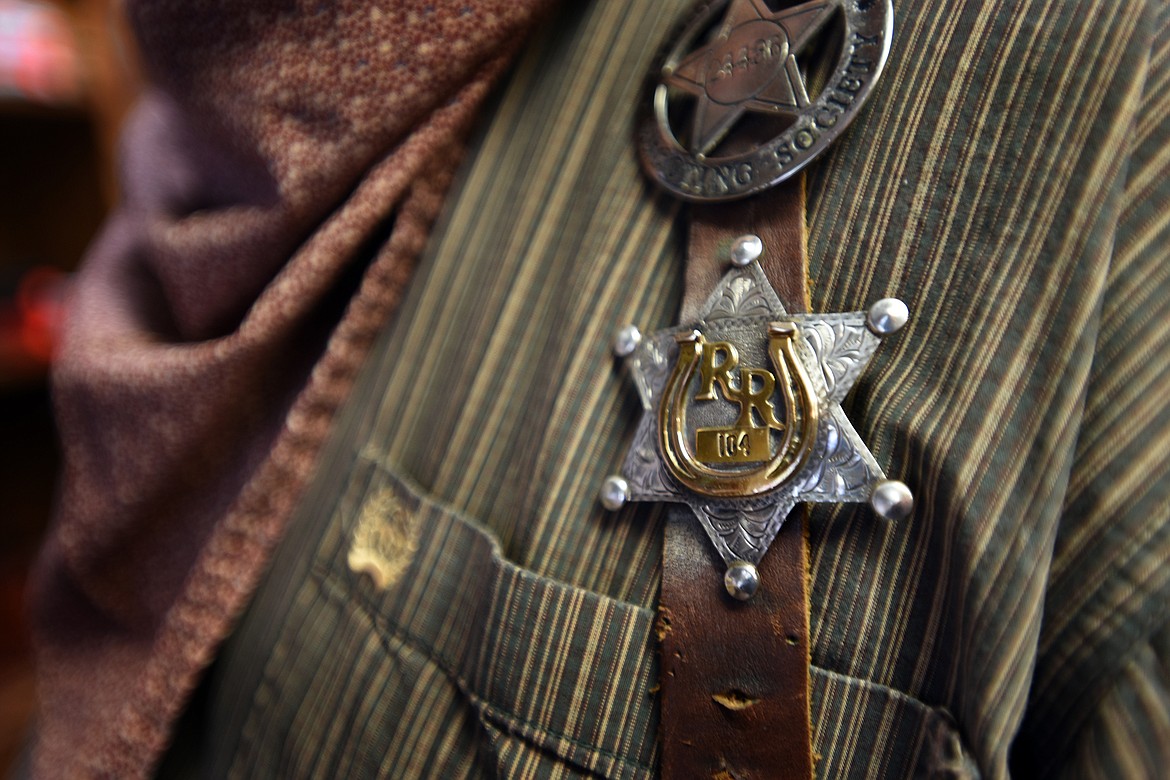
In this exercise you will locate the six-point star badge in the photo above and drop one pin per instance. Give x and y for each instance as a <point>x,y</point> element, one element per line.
<point>742,414</point>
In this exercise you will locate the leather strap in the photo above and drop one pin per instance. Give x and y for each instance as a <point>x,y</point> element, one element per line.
<point>777,217</point>
<point>734,685</point>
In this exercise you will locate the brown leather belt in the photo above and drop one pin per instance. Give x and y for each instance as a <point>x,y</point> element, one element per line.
<point>734,685</point>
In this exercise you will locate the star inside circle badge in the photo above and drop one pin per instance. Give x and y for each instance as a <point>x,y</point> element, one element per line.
<point>742,415</point>
<point>752,66</point>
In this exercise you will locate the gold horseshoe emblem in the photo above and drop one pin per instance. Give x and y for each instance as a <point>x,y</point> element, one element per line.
<point>746,442</point>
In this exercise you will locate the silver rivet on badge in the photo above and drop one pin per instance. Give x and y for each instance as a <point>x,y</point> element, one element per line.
<point>626,341</point>
<point>741,580</point>
<point>892,499</point>
<point>887,316</point>
<point>615,491</point>
<point>745,249</point>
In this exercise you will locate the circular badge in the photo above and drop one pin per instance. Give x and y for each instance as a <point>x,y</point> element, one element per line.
<point>730,112</point>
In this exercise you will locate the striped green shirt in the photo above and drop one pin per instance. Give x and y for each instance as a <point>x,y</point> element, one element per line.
<point>1009,181</point>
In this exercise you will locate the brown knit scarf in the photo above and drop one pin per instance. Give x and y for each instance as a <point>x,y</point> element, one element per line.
<point>281,178</point>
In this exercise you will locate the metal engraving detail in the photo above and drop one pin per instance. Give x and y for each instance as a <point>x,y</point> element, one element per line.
<point>650,367</point>
<point>743,292</point>
<point>842,468</point>
<point>742,535</point>
<point>742,416</point>
<point>843,345</point>
<point>742,298</point>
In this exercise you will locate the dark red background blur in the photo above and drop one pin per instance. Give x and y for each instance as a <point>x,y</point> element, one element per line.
<point>67,77</point>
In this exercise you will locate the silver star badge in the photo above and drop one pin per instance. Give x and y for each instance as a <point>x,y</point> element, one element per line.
<point>742,415</point>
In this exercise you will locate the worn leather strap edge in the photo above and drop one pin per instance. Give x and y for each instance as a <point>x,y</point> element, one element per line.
<point>735,675</point>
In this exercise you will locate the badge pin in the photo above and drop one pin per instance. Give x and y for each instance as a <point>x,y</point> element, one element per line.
<point>742,413</point>
<point>737,61</point>
<point>742,416</point>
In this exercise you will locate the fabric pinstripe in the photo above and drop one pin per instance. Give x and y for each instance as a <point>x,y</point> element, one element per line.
<point>1009,181</point>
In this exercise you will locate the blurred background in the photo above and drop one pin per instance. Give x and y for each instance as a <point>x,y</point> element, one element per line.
<point>67,78</point>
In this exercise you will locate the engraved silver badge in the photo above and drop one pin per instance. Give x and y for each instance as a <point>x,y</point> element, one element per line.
<point>742,415</point>
<point>738,62</point>
<point>742,409</point>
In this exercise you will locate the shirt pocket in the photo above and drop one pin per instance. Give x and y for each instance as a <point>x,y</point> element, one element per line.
<point>863,729</point>
<point>560,679</point>
<point>409,646</point>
